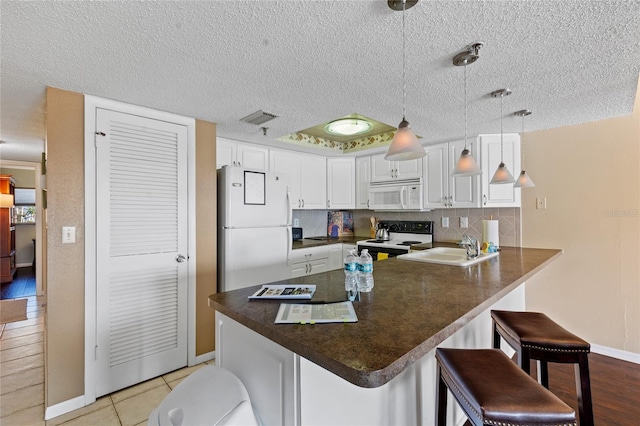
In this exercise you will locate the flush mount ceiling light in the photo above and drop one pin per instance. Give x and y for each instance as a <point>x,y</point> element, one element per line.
<point>502,174</point>
<point>466,165</point>
<point>348,126</point>
<point>524,180</point>
<point>405,145</point>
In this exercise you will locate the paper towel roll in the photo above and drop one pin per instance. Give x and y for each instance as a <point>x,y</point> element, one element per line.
<point>490,232</point>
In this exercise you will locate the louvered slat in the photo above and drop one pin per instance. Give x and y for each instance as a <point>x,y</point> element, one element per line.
<point>144,314</point>
<point>143,204</point>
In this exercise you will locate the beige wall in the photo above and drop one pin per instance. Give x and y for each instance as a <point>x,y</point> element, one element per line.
<point>64,339</point>
<point>590,176</point>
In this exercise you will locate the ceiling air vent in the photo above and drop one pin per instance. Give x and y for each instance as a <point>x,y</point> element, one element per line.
<point>258,117</point>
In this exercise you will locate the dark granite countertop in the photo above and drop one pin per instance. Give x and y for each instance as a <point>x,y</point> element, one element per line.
<point>311,242</point>
<point>413,307</point>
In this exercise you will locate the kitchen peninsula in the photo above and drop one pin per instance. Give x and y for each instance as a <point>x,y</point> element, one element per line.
<point>380,370</point>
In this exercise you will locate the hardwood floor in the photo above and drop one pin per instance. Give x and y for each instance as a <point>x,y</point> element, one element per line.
<point>23,285</point>
<point>615,389</point>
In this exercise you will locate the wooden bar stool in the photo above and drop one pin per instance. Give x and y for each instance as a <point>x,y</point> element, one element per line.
<point>492,390</point>
<point>535,336</point>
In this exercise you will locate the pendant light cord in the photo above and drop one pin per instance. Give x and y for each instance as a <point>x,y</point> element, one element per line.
<point>522,142</point>
<point>404,81</point>
<point>465,106</point>
<point>501,134</point>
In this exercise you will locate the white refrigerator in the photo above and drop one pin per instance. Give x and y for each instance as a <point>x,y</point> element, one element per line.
<point>254,223</point>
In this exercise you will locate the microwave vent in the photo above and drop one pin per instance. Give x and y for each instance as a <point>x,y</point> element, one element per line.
<point>259,117</point>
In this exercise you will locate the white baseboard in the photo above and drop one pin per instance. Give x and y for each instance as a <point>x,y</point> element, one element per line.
<point>205,357</point>
<point>64,407</point>
<point>24,265</point>
<point>616,353</point>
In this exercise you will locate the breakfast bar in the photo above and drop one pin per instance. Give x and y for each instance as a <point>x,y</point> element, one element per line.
<point>380,370</point>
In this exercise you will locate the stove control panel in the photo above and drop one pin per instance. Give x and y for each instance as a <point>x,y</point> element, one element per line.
<point>405,226</point>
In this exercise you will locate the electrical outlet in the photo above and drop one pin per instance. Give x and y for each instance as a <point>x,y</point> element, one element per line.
<point>68,234</point>
<point>445,222</point>
<point>541,203</point>
<point>296,222</point>
<point>464,222</point>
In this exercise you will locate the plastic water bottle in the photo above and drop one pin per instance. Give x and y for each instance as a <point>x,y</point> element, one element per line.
<point>351,273</point>
<point>365,268</point>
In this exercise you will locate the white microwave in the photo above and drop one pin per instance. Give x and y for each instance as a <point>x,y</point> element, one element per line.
<point>399,194</point>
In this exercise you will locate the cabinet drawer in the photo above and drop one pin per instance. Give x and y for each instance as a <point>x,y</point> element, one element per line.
<point>310,253</point>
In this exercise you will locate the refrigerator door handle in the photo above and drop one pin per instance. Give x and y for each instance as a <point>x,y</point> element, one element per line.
<point>289,244</point>
<point>288,207</point>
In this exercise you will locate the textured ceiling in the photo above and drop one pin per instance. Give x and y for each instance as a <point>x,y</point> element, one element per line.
<point>312,61</point>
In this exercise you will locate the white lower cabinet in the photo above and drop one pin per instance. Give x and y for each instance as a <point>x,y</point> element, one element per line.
<point>491,153</point>
<point>335,257</point>
<point>307,261</point>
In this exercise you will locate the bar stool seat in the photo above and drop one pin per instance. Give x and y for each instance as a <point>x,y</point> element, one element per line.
<point>492,390</point>
<point>534,335</point>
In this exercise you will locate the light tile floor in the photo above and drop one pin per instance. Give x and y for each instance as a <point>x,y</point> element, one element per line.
<point>22,383</point>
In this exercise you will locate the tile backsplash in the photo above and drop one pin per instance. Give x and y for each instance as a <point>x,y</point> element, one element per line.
<point>314,222</point>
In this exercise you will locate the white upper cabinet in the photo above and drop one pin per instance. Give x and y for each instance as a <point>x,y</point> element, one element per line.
<point>363,177</point>
<point>341,188</point>
<point>499,195</point>
<point>307,177</point>
<point>441,190</point>
<point>238,154</point>
<point>384,170</point>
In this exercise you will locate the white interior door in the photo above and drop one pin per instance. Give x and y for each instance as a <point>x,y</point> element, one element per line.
<point>142,246</point>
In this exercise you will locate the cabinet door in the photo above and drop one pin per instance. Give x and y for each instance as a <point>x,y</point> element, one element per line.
<point>408,169</point>
<point>225,153</point>
<point>363,177</point>
<point>317,266</point>
<point>288,162</point>
<point>252,157</point>
<point>299,269</point>
<point>436,185</point>
<point>499,195</point>
<point>463,191</point>
<point>335,257</point>
<point>313,182</point>
<point>381,169</point>
<point>341,188</point>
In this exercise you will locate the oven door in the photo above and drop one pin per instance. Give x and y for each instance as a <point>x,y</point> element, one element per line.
<point>381,253</point>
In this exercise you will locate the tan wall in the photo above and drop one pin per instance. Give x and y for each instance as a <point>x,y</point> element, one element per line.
<point>590,176</point>
<point>65,286</point>
<point>206,240</point>
<point>64,320</point>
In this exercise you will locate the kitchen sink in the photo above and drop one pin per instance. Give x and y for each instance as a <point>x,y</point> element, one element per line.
<point>446,256</point>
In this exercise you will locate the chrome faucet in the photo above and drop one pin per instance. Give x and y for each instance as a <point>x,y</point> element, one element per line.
<point>472,245</point>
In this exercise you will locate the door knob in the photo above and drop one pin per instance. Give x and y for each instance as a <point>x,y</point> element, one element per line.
<point>180,258</point>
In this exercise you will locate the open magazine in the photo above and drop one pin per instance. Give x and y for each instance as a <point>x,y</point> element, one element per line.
<point>305,313</point>
<point>291,291</point>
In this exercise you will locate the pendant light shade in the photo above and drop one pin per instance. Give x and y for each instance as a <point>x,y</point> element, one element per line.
<point>524,180</point>
<point>466,165</point>
<point>405,145</point>
<point>502,174</point>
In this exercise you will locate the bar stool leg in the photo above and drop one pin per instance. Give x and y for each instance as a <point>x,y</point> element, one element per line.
<point>583,389</point>
<point>544,373</point>
<point>496,336</point>
<point>441,400</point>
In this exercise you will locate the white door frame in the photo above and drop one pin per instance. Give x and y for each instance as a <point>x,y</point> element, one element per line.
<point>90,105</point>
<point>40,221</point>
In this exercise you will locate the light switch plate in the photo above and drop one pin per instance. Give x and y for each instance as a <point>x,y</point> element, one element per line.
<point>68,234</point>
<point>541,203</point>
<point>464,222</point>
<point>445,222</point>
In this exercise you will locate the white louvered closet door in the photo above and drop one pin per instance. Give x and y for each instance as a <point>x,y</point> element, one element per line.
<point>141,224</point>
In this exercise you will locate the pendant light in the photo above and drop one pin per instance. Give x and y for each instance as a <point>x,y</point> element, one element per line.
<point>524,180</point>
<point>466,165</point>
<point>502,174</point>
<point>405,145</point>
